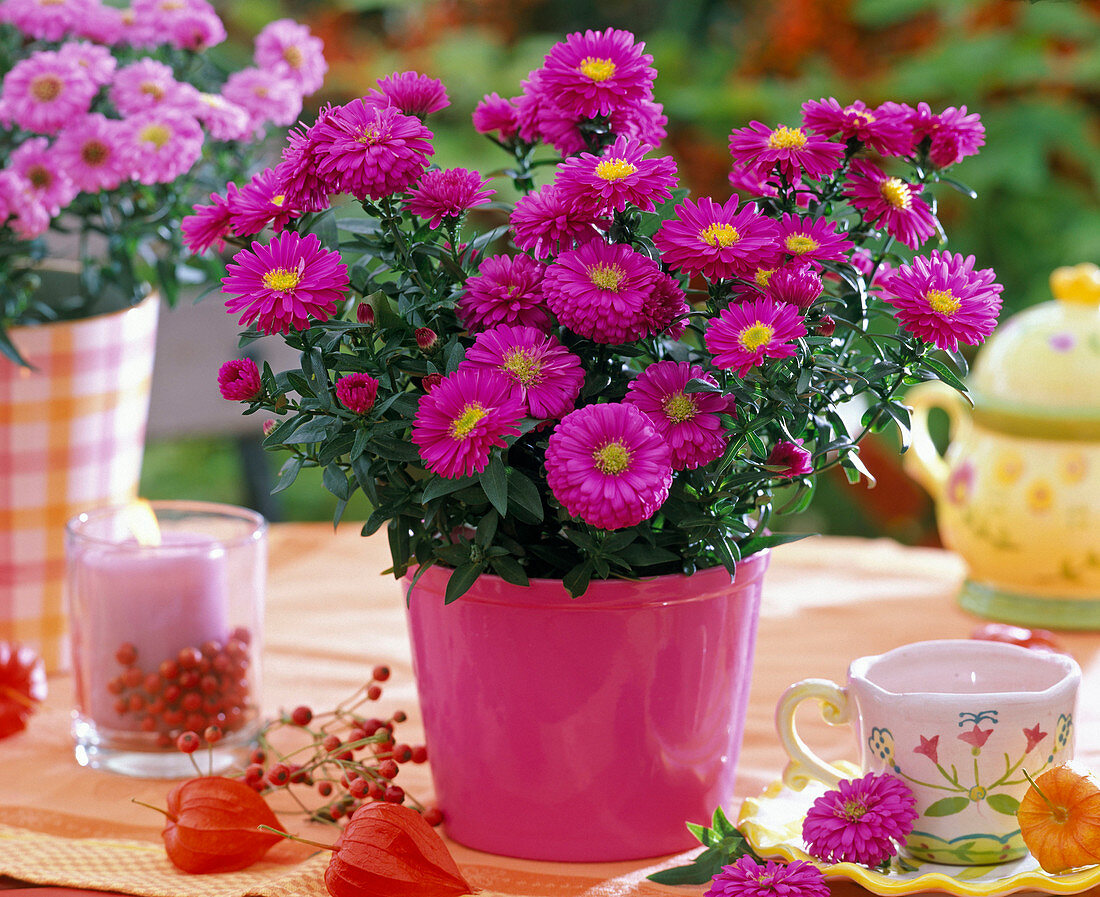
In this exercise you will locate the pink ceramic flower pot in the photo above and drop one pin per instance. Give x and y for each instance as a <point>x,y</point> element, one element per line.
<point>590,729</point>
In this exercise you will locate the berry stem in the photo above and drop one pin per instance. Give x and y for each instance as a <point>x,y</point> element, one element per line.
<point>290,837</point>
<point>142,803</point>
<point>1059,812</point>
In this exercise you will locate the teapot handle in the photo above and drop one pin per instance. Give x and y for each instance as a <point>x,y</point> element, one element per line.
<point>923,462</point>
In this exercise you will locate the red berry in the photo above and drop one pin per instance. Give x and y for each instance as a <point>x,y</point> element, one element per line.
<point>400,716</point>
<point>420,754</point>
<point>223,663</point>
<point>209,648</point>
<point>121,706</point>
<point>253,772</point>
<point>371,726</point>
<point>358,788</point>
<point>136,703</point>
<point>148,724</point>
<point>336,811</point>
<point>374,693</point>
<point>301,716</point>
<point>375,791</point>
<point>394,794</point>
<point>189,658</point>
<point>331,743</point>
<point>356,735</point>
<point>195,721</point>
<point>173,718</point>
<point>188,742</point>
<point>258,755</point>
<point>164,740</point>
<point>387,769</point>
<point>209,684</point>
<point>115,686</point>
<point>242,635</point>
<point>324,789</point>
<point>172,693</point>
<point>380,673</point>
<point>212,734</point>
<point>126,654</point>
<point>152,683</point>
<point>133,678</point>
<point>279,774</point>
<point>192,701</point>
<point>169,669</point>
<point>433,816</point>
<point>402,753</point>
<point>190,679</point>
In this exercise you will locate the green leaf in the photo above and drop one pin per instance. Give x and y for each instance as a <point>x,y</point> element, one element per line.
<point>523,494</point>
<point>314,430</point>
<point>494,480</point>
<point>1003,803</point>
<point>7,348</point>
<point>336,481</point>
<point>394,449</point>
<point>509,569</point>
<point>486,529</point>
<point>947,806</point>
<point>439,486</point>
<point>577,579</point>
<point>398,532</point>
<point>287,475</point>
<point>460,581</point>
<point>947,375</point>
<point>759,543</point>
<point>324,226</point>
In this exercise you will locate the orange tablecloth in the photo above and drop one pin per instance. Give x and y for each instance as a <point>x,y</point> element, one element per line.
<point>331,617</point>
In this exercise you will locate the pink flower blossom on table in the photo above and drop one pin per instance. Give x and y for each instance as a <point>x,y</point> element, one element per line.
<point>293,53</point>
<point>688,421</point>
<point>357,392</point>
<point>929,747</point>
<point>462,418</point>
<point>718,241</point>
<point>92,150</point>
<point>791,150</point>
<point>942,300</point>
<point>35,162</point>
<point>148,84</point>
<point>1034,735</point>
<point>264,97</point>
<point>208,226</point>
<point>544,225</point>
<point>51,20</point>
<point>547,375</point>
<point>795,284</point>
<point>45,92</point>
<point>285,283</point>
<point>222,119</point>
<point>748,878</point>
<point>955,135</point>
<point>861,820</point>
<point>743,336</point>
<point>790,460</point>
<point>239,380</point>
<point>162,145</point>
<point>506,290</point>
<point>884,129</point>
<point>97,62</point>
<point>494,114</point>
<point>370,152</point>
<point>608,465</point>
<point>258,204</point>
<point>596,72</point>
<point>812,239</point>
<point>412,93</point>
<point>20,208</point>
<point>448,193</point>
<point>619,177</point>
<point>298,178</point>
<point>890,203</point>
<point>599,290</point>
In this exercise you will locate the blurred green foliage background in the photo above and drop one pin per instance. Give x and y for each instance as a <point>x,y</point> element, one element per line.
<point>1031,69</point>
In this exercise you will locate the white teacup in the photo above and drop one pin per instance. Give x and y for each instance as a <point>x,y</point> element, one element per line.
<point>958,721</point>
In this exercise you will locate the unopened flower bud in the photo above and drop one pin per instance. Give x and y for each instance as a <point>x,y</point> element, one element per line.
<point>431,381</point>
<point>364,313</point>
<point>426,339</point>
<point>827,326</point>
<point>269,425</point>
<point>239,380</point>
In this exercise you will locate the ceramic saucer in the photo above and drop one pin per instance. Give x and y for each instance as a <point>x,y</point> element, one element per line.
<point>772,824</point>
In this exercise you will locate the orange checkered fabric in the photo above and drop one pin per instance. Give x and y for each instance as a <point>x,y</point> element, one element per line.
<point>72,432</point>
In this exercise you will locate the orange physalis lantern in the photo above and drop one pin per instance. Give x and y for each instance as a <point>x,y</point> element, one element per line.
<point>1060,819</point>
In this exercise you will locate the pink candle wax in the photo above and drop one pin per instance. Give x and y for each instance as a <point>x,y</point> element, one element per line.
<point>159,599</point>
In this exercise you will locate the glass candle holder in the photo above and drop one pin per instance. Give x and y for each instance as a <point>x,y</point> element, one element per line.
<point>166,632</point>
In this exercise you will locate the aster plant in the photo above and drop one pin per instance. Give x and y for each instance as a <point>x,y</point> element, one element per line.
<point>113,122</point>
<point>604,378</point>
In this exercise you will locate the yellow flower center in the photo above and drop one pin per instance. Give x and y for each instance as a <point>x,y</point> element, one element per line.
<point>762,276</point>
<point>679,407</point>
<point>615,169</point>
<point>45,88</point>
<point>94,153</point>
<point>278,199</point>
<point>51,2</point>
<point>40,176</point>
<point>260,92</point>
<point>128,17</point>
<point>293,57</point>
<point>942,302</point>
<point>606,277</point>
<point>156,134</point>
<point>896,192</point>
<point>719,235</point>
<point>853,810</point>
<point>171,5</point>
<point>800,244</point>
<point>151,88</point>
<point>756,335</point>
<point>524,365</point>
<point>612,458</point>
<point>862,114</point>
<point>597,69</point>
<point>977,793</point>
<point>369,135</point>
<point>282,280</point>
<point>463,425</point>
<point>786,138</point>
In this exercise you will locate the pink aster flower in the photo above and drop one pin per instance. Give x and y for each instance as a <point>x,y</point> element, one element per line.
<point>187,24</point>
<point>103,24</point>
<point>148,84</point>
<point>357,392</point>
<point>38,164</point>
<point>955,135</point>
<point>162,144</point>
<point>293,53</point>
<point>494,114</point>
<point>412,93</point>
<point>370,152</point>
<point>222,119</point>
<point>861,820</point>
<point>264,97</point>
<point>608,465</point>
<point>239,380</point>
<point>208,225</point>
<point>297,173</point>
<point>791,150</point>
<point>883,129</point>
<point>505,290</point>
<point>790,460</point>
<point>797,285</point>
<point>748,878</point>
<point>544,225</point>
<point>20,208</point>
<point>548,376</point>
<point>890,203</point>
<point>462,418</point>
<point>92,151</point>
<point>258,204</point>
<point>621,176</point>
<point>96,61</point>
<point>50,20</point>
<point>599,290</point>
<point>596,72</point>
<point>45,92</point>
<point>447,193</point>
<point>665,308</point>
<point>812,239</point>
<point>688,421</point>
<point>944,301</point>
<point>283,284</point>
<point>716,240</point>
<point>742,336</point>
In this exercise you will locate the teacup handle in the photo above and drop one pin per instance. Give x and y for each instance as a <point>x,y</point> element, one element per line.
<point>804,765</point>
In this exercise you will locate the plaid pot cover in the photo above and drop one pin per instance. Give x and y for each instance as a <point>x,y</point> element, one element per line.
<point>71,437</point>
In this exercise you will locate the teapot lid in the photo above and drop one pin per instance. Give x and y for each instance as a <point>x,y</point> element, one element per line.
<point>1043,364</point>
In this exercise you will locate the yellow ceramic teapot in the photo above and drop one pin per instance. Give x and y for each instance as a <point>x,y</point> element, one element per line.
<point>1018,492</point>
